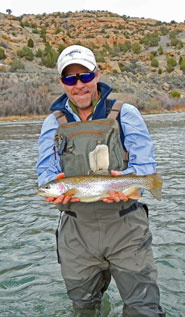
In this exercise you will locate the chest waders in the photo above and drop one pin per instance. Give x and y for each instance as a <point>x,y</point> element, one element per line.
<point>96,240</point>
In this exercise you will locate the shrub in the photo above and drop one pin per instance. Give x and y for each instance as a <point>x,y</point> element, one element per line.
<point>4,45</point>
<point>174,41</point>
<point>43,34</point>
<point>136,48</point>
<point>26,98</point>
<point>49,56</point>
<point>35,31</point>
<point>159,71</point>
<point>164,30</point>
<point>26,52</point>
<point>153,54</point>
<point>30,43</point>
<point>100,57</point>
<point>61,47</point>
<point>2,53</point>
<point>180,45</point>
<point>169,68</point>
<point>174,94</point>
<point>126,46</point>
<point>58,30</point>
<point>151,39</point>
<point>160,50</point>
<point>154,62</point>
<point>171,61</point>
<point>182,65</point>
<point>16,64</point>
<point>39,53</point>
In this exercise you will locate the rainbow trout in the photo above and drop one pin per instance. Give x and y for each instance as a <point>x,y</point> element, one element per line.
<point>92,188</point>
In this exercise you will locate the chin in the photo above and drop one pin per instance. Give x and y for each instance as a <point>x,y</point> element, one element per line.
<point>83,104</point>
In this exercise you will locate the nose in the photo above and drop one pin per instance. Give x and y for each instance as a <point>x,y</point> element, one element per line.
<point>79,83</point>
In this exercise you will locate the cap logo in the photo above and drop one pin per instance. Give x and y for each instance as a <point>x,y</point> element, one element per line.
<point>73,52</point>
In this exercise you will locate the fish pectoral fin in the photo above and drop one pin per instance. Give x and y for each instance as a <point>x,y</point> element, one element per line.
<point>133,193</point>
<point>90,199</point>
<point>135,196</point>
<point>70,192</point>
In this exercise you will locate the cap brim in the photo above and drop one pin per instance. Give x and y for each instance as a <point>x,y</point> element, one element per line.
<point>86,64</point>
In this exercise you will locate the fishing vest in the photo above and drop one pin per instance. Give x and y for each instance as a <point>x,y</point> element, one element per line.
<point>90,147</point>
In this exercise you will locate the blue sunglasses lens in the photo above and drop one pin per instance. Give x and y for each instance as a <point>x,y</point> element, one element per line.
<point>69,80</point>
<point>84,78</point>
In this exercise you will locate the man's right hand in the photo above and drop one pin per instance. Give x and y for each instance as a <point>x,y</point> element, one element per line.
<point>62,199</point>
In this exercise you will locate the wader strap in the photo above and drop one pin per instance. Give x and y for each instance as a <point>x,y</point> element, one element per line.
<point>132,208</point>
<point>122,212</point>
<point>56,234</point>
<point>71,213</point>
<point>115,110</point>
<point>60,116</point>
<point>113,113</point>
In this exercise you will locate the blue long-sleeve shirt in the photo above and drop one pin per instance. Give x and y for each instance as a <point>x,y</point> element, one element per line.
<point>137,143</point>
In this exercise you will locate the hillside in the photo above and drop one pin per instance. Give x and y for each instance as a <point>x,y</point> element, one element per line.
<point>142,59</point>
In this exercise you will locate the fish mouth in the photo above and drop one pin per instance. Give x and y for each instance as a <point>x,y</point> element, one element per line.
<point>41,191</point>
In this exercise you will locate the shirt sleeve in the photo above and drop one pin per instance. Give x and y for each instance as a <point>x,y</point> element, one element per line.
<point>48,164</point>
<point>137,142</point>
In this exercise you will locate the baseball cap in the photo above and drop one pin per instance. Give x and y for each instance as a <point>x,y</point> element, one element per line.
<point>76,54</point>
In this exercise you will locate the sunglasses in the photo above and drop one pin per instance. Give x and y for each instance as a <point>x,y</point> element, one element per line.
<point>83,77</point>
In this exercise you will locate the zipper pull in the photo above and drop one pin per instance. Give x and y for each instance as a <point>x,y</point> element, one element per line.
<point>54,149</point>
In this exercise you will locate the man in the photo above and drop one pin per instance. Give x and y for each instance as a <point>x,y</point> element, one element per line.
<point>110,237</point>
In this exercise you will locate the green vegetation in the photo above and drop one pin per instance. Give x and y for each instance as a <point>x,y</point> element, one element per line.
<point>43,34</point>
<point>160,50</point>
<point>2,53</point>
<point>61,48</point>
<point>182,65</point>
<point>100,56</point>
<point>58,30</point>
<point>154,62</point>
<point>174,94</point>
<point>150,39</point>
<point>171,63</point>
<point>16,64</point>
<point>49,56</point>
<point>136,48</point>
<point>125,47</point>
<point>39,53</point>
<point>26,52</point>
<point>30,43</point>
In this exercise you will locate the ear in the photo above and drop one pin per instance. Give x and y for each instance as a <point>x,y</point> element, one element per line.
<point>59,79</point>
<point>98,74</point>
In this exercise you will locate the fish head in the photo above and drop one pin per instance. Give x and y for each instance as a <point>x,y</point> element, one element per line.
<point>51,189</point>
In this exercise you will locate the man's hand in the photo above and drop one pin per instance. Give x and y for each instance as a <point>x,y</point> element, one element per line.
<point>62,199</point>
<point>115,196</point>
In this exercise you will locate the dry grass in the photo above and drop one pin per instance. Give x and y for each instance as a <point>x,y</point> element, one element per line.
<point>23,118</point>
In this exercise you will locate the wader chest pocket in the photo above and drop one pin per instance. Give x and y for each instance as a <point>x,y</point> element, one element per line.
<point>78,139</point>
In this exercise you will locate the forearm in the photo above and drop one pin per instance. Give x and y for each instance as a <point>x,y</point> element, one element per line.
<point>137,142</point>
<point>48,164</point>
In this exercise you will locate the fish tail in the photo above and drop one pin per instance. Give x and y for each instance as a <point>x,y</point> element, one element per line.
<point>156,186</point>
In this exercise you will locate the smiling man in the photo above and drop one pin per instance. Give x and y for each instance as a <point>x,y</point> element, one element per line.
<point>88,133</point>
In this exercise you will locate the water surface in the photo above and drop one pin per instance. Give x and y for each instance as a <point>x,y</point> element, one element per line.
<point>30,278</point>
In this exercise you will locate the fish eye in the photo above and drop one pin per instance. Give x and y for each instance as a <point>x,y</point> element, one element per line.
<point>47,187</point>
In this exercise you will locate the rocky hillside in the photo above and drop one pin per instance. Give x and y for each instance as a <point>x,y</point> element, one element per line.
<point>142,59</point>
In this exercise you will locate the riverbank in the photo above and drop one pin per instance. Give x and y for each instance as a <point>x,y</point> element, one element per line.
<point>22,118</point>
<point>42,117</point>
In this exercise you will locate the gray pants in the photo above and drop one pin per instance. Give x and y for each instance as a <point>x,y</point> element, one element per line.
<point>94,245</point>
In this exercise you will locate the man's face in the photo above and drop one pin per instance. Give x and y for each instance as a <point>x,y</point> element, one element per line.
<point>81,95</point>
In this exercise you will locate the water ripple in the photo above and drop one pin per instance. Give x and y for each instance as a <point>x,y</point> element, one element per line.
<point>30,279</point>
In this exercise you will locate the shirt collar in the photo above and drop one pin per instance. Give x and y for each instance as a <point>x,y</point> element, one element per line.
<point>94,103</point>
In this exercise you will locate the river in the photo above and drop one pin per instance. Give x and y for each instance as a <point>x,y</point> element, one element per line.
<point>30,279</point>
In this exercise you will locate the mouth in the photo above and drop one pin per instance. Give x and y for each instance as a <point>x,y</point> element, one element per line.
<point>81,92</point>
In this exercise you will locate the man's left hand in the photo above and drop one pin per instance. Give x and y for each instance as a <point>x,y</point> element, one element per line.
<point>115,196</point>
